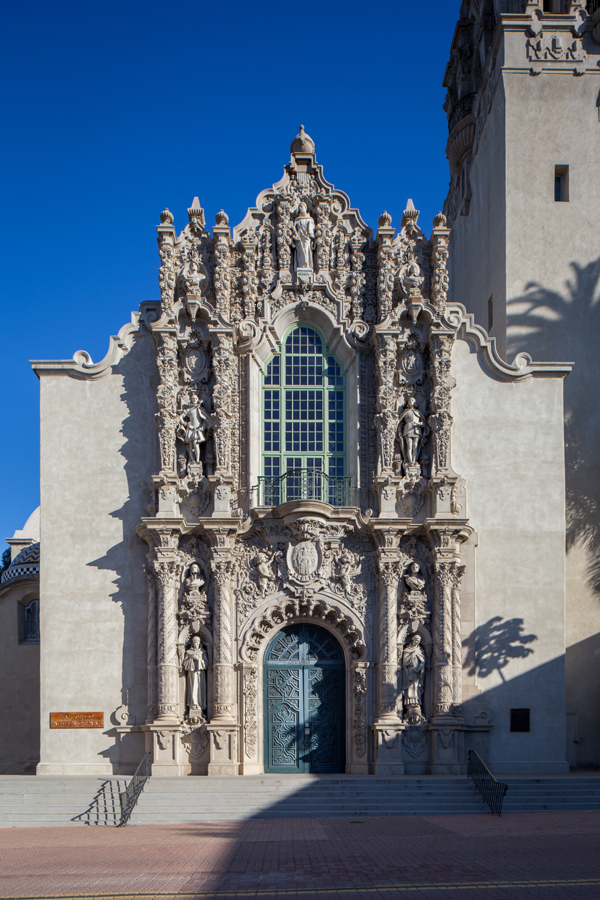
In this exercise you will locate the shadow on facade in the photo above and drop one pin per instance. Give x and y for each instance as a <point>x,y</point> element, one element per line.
<point>127,557</point>
<point>557,326</point>
<point>583,703</point>
<point>492,646</point>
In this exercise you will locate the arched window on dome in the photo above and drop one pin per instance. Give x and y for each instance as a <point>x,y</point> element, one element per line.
<point>31,621</point>
<point>304,423</point>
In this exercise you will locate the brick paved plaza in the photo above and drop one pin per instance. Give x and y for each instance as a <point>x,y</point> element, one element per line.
<point>526,855</point>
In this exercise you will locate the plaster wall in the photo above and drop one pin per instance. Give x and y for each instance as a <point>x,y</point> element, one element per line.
<point>507,443</point>
<point>98,450</point>
<point>480,235</point>
<point>20,676</point>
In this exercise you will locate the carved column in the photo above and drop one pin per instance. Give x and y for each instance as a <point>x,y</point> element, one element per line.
<point>357,278</point>
<point>222,238</point>
<point>284,237</point>
<point>166,396</point>
<point>440,237</point>
<point>443,675</point>
<point>457,640</point>
<point>388,639</point>
<point>224,365</point>
<point>249,275</point>
<point>167,570</point>
<point>166,273</point>
<point>385,265</point>
<point>152,709</point>
<point>323,233</point>
<point>221,569</point>
<point>440,420</point>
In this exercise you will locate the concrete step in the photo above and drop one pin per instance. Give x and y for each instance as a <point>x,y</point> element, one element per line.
<point>27,801</point>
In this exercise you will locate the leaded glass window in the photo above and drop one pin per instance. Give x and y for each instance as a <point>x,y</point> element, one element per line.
<point>31,621</point>
<point>304,422</point>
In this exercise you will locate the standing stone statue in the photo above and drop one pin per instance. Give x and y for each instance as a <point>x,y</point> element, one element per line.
<point>303,233</point>
<point>195,664</point>
<point>413,671</point>
<point>412,431</point>
<point>192,429</point>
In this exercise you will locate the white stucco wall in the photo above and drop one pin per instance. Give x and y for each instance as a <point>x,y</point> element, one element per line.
<point>507,443</point>
<point>98,451</point>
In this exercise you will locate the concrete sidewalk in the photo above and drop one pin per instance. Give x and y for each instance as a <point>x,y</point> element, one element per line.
<point>524,855</point>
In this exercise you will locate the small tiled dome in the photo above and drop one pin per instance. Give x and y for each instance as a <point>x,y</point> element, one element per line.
<point>25,563</point>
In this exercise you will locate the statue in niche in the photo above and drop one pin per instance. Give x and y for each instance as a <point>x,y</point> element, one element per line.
<point>192,429</point>
<point>412,431</point>
<point>303,233</point>
<point>410,276</point>
<point>266,579</point>
<point>413,671</point>
<point>346,569</point>
<point>195,664</point>
<point>194,582</point>
<point>413,579</point>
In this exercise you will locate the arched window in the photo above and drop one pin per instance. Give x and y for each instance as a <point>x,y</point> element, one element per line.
<point>31,621</point>
<point>304,423</point>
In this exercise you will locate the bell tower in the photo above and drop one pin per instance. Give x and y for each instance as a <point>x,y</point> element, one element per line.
<point>523,106</point>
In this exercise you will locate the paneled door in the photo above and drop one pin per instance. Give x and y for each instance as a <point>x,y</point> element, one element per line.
<point>304,701</point>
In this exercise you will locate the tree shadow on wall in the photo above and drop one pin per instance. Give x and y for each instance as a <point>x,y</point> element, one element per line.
<point>492,646</point>
<point>555,326</point>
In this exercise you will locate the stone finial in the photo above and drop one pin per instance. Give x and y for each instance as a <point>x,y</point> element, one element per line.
<point>410,214</point>
<point>195,212</point>
<point>221,217</point>
<point>302,143</point>
<point>166,217</point>
<point>385,220</point>
<point>439,220</point>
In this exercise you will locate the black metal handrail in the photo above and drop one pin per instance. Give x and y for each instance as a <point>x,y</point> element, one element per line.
<point>305,484</point>
<point>491,790</point>
<point>462,109</point>
<point>131,794</point>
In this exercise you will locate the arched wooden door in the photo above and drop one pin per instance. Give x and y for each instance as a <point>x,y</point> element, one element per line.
<point>304,701</point>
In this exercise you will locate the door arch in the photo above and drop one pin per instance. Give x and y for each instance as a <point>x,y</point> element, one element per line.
<point>304,703</point>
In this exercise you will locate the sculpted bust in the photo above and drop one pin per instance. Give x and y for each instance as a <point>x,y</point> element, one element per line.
<point>413,579</point>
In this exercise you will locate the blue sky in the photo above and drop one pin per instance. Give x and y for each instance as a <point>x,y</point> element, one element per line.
<point>113,111</point>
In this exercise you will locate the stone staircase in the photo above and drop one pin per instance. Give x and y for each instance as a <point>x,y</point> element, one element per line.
<point>76,800</point>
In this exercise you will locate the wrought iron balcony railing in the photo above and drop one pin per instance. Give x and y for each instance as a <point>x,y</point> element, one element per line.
<point>305,484</point>
<point>462,109</point>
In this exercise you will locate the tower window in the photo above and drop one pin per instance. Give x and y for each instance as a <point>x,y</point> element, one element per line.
<point>561,183</point>
<point>490,314</point>
<point>31,621</point>
<point>519,720</point>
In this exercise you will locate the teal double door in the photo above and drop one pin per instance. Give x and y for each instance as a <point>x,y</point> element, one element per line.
<point>304,701</point>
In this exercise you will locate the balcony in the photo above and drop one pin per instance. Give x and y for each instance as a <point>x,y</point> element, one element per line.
<point>462,109</point>
<point>305,484</point>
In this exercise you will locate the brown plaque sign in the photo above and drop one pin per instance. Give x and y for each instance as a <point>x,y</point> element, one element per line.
<point>77,720</point>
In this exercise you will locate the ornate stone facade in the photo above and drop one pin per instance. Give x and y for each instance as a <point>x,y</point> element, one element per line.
<point>228,570</point>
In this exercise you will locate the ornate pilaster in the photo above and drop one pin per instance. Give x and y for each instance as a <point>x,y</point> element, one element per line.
<point>249,275</point>
<point>441,381</point>
<point>222,238</point>
<point>167,570</point>
<point>387,634</point>
<point>323,237</point>
<point>221,567</point>
<point>386,418</point>
<point>284,237</point>
<point>443,673</point>
<point>357,278</point>
<point>385,265</point>
<point>166,396</point>
<point>152,646</point>
<point>224,366</point>
<point>166,273</point>
<point>440,237</point>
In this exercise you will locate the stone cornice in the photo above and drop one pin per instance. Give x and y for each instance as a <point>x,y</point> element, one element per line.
<point>523,366</point>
